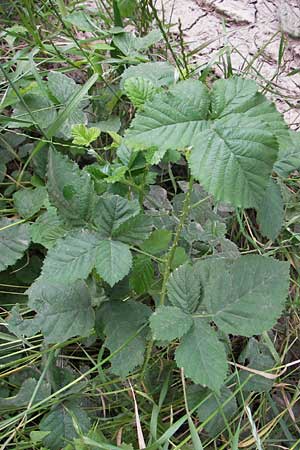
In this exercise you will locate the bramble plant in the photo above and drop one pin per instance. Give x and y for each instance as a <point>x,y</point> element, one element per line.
<point>111,249</point>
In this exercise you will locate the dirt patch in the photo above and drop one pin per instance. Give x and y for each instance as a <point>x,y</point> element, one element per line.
<point>253,29</point>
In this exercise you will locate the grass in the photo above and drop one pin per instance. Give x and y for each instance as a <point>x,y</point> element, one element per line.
<point>151,408</point>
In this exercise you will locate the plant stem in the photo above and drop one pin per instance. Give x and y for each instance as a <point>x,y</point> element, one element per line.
<point>183,216</point>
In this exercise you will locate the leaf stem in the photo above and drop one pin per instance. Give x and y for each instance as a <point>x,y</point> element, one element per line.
<point>183,216</point>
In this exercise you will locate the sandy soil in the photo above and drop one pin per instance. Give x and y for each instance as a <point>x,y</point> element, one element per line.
<point>252,27</point>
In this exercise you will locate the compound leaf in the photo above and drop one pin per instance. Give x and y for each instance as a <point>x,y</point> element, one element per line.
<point>142,274</point>
<point>169,322</point>
<point>135,230</point>
<point>113,261</point>
<point>48,228</point>
<point>14,240</point>
<point>202,356</point>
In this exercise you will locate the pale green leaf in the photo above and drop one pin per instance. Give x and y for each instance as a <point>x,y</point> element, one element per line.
<point>21,327</point>
<point>113,261</point>
<point>289,154</point>
<point>135,230</point>
<point>270,212</point>
<point>111,211</point>
<point>14,240</point>
<point>63,310</point>
<point>48,228</point>
<point>59,421</point>
<point>122,321</point>
<point>42,112</point>
<point>82,21</point>
<point>72,258</point>
<point>202,356</point>
<point>157,242</point>
<point>169,322</point>
<point>127,7</point>
<point>139,90</point>
<point>29,201</point>
<point>70,189</point>
<point>184,288</point>
<point>83,135</point>
<point>167,122</point>
<point>245,297</point>
<point>234,159</point>
<point>159,73</point>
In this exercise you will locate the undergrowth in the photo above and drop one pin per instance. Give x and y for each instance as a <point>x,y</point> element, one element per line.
<point>149,235</point>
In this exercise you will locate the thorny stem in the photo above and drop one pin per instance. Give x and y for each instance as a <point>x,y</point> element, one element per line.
<point>183,216</point>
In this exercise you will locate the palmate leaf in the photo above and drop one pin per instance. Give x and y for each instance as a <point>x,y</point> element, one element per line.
<point>63,310</point>
<point>169,322</point>
<point>122,321</point>
<point>70,189</point>
<point>232,132</point>
<point>73,257</point>
<point>202,356</point>
<point>244,297</point>
<point>14,240</point>
<point>113,261</point>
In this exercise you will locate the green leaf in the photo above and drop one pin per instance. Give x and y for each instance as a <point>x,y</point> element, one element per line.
<point>270,213</point>
<point>201,354</point>
<point>122,321</point>
<point>289,154</point>
<point>43,112</point>
<point>14,240</point>
<point>247,296</point>
<point>72,258</point>
<point>184,288</point>
<point>142,274</point>
<point>60,422</point>
<point>157,242</point>
<point>159,73</point>
<point>135,230</point>
<point>63,311</point>
<point>29,201</point>
<point>113,261</point>
<point>70,189</point>
<point>83,135</point>
<point>234,159</point>
<point>256,356</point>
<point>127,7</point>
<point>23,397</point>
<point>168,323</point>
<point>167,122</point>
<point>139,90</point>
<point>48,228</point>
<point>111,211</point>
<point>21,327</point>
<point>82,21</point>
<point>2,171</point>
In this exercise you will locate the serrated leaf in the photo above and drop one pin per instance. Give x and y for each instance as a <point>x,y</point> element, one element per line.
<point>21,327</point>
<point>111,211</point>
<point>142,274</point>
<point>247,296</point>
<point>59,421</point>
<point>83,135</point>
<point>70,189</point>
<point>29,201</point>
<point>169,322</point>
<point>139,90</point>
<point>135,230</point>
<point>122,321</point>
<point>169,123</point>
<point>14,240</point>
<point>270,213</point>
<point>72,258</point>
<point>157,242</point>
<point>234,159</point>
<point>63,311</point>
<point>48,228</point>
<point>289,154</point>
<point>23,397</point>
<point>184,288</point>
<point>201,354</point>
<point>159,73</point>
<point>113,261</point>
